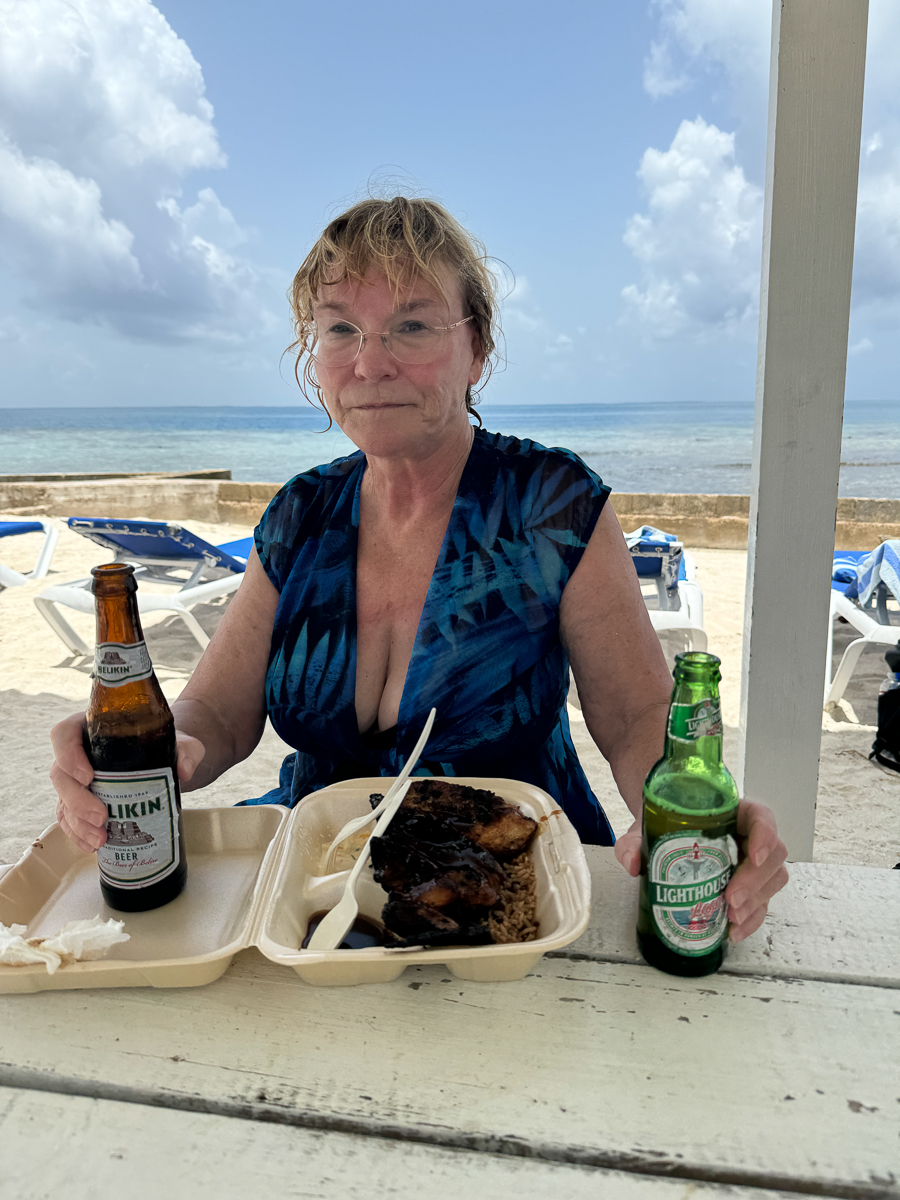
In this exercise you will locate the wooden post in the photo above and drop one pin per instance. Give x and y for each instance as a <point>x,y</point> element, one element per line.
<point>815,113</point>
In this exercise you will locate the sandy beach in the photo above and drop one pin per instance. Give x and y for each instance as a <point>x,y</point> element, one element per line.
<point>40,682</point>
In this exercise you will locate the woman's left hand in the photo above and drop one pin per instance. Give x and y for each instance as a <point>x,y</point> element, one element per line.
<point>760,874</point>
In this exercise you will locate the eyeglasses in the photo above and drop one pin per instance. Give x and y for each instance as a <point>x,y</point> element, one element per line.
<point>408,340</point>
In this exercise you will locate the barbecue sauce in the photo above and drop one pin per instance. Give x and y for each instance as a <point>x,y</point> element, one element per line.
<point>361,936</point>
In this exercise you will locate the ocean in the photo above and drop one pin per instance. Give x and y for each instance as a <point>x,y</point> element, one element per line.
<point>645,447</point>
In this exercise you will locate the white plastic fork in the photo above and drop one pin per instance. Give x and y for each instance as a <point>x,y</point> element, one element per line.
<point>333,927</point>
<point>357,823</point>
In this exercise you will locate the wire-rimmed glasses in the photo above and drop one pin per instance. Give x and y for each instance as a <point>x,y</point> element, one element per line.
<point>408,340</point>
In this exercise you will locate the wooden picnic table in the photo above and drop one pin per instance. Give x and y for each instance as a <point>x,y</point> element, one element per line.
<point>594,1076</point>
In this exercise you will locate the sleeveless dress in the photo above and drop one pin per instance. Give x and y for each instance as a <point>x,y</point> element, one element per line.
<point>487,653</point>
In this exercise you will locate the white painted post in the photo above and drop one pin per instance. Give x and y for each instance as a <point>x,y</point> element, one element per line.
<point>815,112</point>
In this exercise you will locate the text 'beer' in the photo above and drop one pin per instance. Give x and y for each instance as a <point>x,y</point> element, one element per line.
<point>130,740</point>
<point>688,852</point>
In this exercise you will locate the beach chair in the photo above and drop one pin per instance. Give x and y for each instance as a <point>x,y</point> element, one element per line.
<point>660,559</point>
<point>865,588</point>
<point>11,578</point>
<point>162,553</point>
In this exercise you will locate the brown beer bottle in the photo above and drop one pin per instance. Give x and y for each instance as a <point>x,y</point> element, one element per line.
<point>130,740</point>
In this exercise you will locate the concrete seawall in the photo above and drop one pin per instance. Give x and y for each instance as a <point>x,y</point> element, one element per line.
<point>716,522</point>
<point>721,522</point>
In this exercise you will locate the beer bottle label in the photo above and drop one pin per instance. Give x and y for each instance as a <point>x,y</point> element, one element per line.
<point>687,874</point>
<point>142,829</point>
<point>116,663</point>
<point>687,722</point>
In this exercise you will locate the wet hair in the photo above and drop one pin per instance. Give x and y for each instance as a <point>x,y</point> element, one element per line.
<point>407,240</point>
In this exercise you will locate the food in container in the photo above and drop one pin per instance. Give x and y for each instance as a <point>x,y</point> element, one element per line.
<point>257,879</point>
<point>302,887</point>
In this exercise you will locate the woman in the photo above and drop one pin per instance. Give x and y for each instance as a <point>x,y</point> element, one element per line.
<point>440,565</point>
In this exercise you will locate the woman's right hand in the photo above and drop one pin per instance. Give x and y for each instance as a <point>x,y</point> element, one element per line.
<point>82,817</point>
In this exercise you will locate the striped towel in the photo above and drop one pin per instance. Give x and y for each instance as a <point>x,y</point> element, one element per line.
<point>881,566</point>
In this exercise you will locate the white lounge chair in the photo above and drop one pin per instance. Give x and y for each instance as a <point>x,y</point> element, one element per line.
<point>660,559</point>
<point>869,614</point>
<point>162,553</point>
<point>11,578</point>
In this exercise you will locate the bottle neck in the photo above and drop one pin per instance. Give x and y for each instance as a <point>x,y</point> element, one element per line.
<point>123,678</point>
<point>694,726</point>
<point>118,619</point>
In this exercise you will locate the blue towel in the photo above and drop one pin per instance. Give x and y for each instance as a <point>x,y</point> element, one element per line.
<point>843,573</point>
<point>649,536</point>
<point>656,553</point>
<point>881,566</point>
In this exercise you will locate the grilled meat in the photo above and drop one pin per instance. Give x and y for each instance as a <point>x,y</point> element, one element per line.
<point>412,922</point>
<point>437,862</point>
<point>479,815</point>
<point>418,848</point>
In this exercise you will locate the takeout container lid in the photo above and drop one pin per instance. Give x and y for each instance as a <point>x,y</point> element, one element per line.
<point>254,880</point>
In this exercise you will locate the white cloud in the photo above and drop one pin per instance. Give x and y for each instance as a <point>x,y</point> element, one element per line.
<point>102,119</point>
<point>704,34</point>
<point>58,219</point>
<point>103,84</point>
<point>660,77</point>
<point>861,347</point>
<point>701,36</point>
<point>520,309</point>
<point>876,265</point>
<point>533,341</point>
<point>699,243</point>
<point>208,218</point>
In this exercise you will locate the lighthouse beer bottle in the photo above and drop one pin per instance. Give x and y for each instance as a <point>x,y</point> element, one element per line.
<point>130,740</point>
<point>688,850</point>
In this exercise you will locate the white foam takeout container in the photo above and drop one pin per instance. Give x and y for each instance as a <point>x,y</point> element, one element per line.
<point>254,879</point>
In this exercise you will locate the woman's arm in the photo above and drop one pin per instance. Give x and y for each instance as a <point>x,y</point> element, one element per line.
<point>224,705</point>
<point>624,687</point>
<point>620,671</point>
<point>219,717</point>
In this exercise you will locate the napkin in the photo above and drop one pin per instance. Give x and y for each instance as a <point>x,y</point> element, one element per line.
<point>77,941</point>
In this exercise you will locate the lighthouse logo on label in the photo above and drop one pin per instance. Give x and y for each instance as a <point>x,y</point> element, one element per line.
<point>687,875</point>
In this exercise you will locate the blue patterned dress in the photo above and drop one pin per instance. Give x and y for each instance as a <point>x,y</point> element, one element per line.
<point>487,653</point>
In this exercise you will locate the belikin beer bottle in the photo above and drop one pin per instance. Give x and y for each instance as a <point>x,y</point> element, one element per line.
<point>130,740</point>
<point>688,851</point>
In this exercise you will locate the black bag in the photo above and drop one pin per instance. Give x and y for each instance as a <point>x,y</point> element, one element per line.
<point>886,747</point>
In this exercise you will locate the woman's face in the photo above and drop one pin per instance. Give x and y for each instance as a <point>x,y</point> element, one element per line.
<point>389,408</point>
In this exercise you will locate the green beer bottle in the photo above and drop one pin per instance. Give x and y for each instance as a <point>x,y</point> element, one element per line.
<point>688,850</point>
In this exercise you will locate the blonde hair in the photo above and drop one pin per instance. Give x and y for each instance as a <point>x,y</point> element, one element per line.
<point>407,240</point>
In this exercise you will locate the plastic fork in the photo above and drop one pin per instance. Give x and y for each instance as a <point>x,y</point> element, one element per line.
<point>333,927</point>
<point>357,823</point>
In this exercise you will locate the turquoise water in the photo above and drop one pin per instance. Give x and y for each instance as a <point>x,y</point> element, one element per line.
<point>653,447</point>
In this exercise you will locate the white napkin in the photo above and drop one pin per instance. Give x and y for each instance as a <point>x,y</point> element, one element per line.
<point>77,941</point>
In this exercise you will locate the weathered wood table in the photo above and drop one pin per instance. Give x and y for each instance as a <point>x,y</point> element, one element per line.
<point>595,1076</point>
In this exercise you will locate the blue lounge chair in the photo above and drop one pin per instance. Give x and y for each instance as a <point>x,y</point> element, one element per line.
<point>659,558</point>
<point>865,602</point>
<point>162,553</point>
<point>11,578</point>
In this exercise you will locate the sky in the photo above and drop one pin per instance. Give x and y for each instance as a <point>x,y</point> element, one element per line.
<point>164,169</point>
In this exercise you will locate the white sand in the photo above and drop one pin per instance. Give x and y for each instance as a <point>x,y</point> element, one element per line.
<point>858,812</point>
